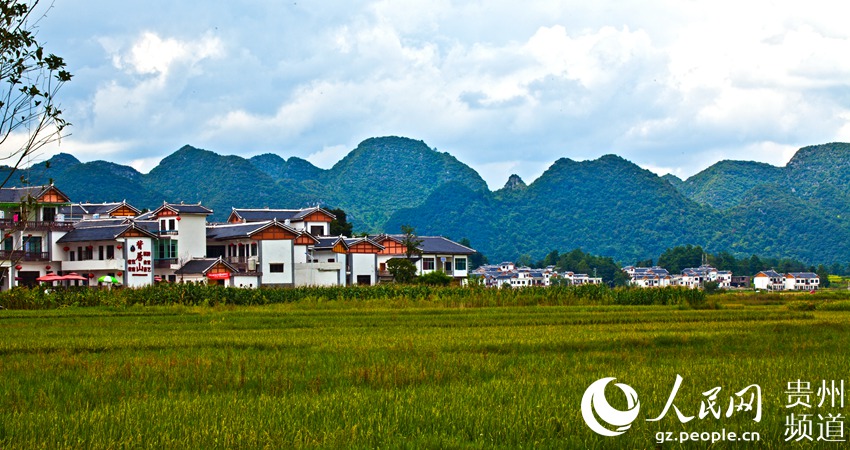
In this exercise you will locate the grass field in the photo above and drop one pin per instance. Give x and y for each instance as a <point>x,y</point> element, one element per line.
<point>378,374</point>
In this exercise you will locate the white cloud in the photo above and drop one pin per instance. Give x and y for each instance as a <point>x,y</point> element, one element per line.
<point>500,84</point>
<point>152,54</point>
<point>328,156</point>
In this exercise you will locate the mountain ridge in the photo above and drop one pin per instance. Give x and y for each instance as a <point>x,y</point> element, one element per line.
<point>608,206</point>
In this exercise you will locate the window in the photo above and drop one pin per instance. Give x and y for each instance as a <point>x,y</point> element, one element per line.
<point>73,255</point>
<point>460,263</point>
<point>317,230</point>
<point>428,264</point>
<point>100,252</point>
<point>32,244</point>
<point>276,268</point>
<point>165,249</point>
<point>110,252</point>
<point>172,224</point>
<point>84,253</point>
<point>49,214</point>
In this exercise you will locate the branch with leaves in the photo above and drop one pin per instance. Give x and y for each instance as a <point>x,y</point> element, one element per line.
<point>29,83</point>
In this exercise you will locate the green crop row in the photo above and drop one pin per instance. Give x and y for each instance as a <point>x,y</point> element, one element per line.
<point>390,294</point>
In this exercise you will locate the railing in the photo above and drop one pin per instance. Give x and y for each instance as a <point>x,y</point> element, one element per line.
<point>21,225</point>
<point>240,263</point>
<point>164,263</point>
<point>20,255</point>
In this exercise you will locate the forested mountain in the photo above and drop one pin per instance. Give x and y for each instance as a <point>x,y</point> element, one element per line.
<point>608,206</point>
<point>726,183</point>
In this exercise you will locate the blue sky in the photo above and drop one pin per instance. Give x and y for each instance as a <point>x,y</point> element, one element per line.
<point>505,86</point>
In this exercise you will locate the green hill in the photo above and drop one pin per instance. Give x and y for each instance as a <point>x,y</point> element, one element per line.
<point>383,175</point>
<point>608,206</point>
<point>723,185</point>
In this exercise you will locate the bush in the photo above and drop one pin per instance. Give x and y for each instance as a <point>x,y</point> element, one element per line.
<point>436,278</point>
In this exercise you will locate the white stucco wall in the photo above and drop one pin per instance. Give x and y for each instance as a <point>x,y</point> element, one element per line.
<point>277,252</point>
<point>363,264</point>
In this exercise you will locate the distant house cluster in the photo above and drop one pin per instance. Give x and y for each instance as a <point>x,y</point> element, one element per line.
<point>692,277</point>
<point>695,278</point>
<point>46,234</point>
<point>506,274</point>
<point>770,280</point>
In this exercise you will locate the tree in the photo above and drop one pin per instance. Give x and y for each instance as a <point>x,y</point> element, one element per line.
<point>402,270</point>
<point>340,225</point>
<point>410,241</point>
<point>476,259</point>
<point>681,257</point>
<point>30,118</point>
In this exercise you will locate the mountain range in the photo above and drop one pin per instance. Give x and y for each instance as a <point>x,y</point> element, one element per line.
<point>608,206</point>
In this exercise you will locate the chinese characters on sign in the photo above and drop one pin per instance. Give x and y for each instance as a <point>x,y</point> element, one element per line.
<point>803,423</point>
<point>139,260</point>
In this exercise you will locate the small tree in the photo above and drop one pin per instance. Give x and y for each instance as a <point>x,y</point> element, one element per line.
<point>340,225</point>
<point>410,241</point>
<point>402,270</point>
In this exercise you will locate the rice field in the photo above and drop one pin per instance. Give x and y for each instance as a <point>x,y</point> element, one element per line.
<point>378,374</point>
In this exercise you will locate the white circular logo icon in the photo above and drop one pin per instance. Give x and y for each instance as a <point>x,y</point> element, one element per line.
<point>594,401</point>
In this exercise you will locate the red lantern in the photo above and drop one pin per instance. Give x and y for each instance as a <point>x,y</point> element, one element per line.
<point>19,267</point>
<point>178,218</point>
<point>91,275</point>
<point>120,274</point>
<point>90,246</point>
<point>241,244</point>
<point>66,248</point>
<point>120,247</point>
<point>47,267</point>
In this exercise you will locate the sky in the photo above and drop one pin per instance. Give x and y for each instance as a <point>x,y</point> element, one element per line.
<point>504,86</point>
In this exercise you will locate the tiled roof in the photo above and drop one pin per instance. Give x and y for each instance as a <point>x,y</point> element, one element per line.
<point>438,245</point>
<point>18,194</point>
<point>95,208</point>
<point>771,274</point>
<point>264,214</point>
<point>243,230</point>
<point>328,243</point>
<point>803,275</point>
<point>182,208</point>
<point>201,266</point>
<point>100,233</point>
<point>236,231</point>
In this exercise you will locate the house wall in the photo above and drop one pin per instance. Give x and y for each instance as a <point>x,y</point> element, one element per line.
<point>139,263</point>
<point>277,251</point>
<point>191,236</point>
<point>245,281</point>
<point>363,264</point>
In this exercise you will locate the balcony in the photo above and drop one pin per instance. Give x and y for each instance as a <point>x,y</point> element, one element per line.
<point>164,263</point>
<point>93,264</point>
<point>25,225</point>
<point>20,255</point>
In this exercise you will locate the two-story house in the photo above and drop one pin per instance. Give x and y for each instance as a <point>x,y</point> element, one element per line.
<point>28,219</point>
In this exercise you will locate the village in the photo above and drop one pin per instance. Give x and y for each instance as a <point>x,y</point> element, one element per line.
<point>48,238</point>
<point>507,275</point>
